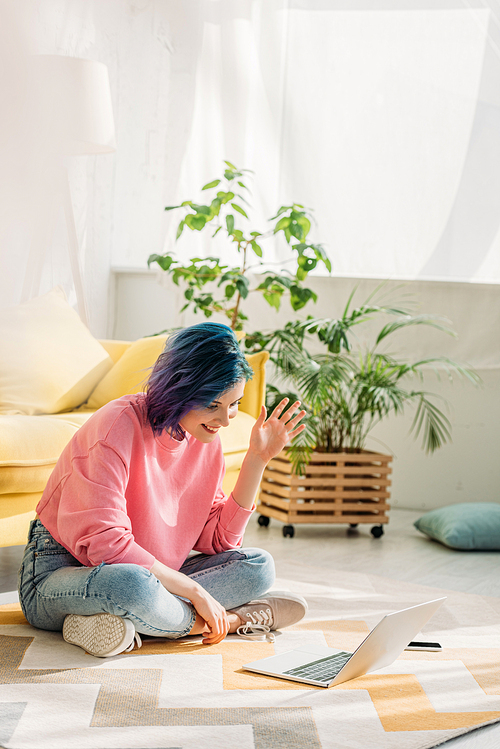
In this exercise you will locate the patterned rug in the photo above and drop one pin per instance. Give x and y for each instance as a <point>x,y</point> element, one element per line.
<point>185,695</point>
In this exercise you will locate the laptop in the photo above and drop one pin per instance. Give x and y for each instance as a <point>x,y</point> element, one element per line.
<point>326,667</point>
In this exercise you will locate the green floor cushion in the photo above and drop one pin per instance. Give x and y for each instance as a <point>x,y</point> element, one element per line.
<point>467,526</point>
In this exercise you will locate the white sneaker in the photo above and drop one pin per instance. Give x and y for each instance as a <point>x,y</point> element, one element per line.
<point>271,612</point>
<point>102,635</point>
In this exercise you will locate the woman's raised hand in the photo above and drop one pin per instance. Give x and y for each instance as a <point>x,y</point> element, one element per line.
<point>269,436</point>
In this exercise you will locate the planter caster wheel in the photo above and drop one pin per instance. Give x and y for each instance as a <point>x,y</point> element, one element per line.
<point>263,520</point>
<point>288,530</point>
<point>353,525</point>
<point>377,531</point>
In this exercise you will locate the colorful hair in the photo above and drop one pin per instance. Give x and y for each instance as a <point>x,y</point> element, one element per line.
<point>197,365</point>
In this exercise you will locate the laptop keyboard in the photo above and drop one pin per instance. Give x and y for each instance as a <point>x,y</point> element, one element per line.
<point>323,670</point>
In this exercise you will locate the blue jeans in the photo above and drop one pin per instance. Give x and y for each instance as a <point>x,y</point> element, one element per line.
<point>53,584</point>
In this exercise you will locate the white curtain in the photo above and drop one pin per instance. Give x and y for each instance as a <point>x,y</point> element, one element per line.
<point>383,117</point>
<point>380,115</point>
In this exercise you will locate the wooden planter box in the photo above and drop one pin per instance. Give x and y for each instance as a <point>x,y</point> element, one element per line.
<point>349,488</point>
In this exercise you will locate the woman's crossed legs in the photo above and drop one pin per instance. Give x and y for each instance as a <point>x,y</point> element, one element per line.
<point>53,585</point>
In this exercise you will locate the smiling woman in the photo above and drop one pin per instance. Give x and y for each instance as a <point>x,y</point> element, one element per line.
<point>199,364</point>
<point>204,423</point>
<point>137,489</point>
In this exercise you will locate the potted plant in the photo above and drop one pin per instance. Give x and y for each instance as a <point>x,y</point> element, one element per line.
<point>328,475</point>
<point>212,287</point>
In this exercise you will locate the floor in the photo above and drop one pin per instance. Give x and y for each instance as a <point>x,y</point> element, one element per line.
<point>402,553</point>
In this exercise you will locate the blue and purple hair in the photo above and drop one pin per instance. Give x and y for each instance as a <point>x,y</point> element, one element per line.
<point>197,365</point>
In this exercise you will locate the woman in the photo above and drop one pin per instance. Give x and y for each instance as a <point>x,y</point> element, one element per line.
<point>136,490</point>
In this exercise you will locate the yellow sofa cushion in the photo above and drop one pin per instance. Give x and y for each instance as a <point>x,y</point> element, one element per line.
<point>16,513</point>
<point>255,390</point>
<point>30,447</point>
<point>50,361</point>
<point>129,373</point>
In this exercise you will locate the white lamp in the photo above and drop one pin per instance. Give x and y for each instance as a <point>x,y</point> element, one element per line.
<point>73,115</point>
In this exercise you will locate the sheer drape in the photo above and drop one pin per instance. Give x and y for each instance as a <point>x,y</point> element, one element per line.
<point>381,115</point>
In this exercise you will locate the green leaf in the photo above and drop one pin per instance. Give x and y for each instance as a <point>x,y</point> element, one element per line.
<point>273,298</point>
<point>242,286</point>
<point>231,166</point>
<point>227,276</point>
<point>436,426</point>
<point>171,207</point>
<point>225,197</point>
<point>242,184</point>
<point>432,320</point>
<point>242,197</point>
<point>230,223</point>
<point>204,301</point>
<point>229,175</point>
<point>215,206</point>
<point>306,264</point>
<point>198,222</point>
<point>164,261</point>
<point>305,225</point>
<point>214,183</point>
<point>239,209</point>
<point>229,291</point>
<point>321,255</point>
<point>180,229</point>
<point>275,282</point>
<point>282,224</point>
<point>300,296</point>
<point>216,231</point>
<point>281,210</point>
<point>206,210</point>
<point>256,248</point>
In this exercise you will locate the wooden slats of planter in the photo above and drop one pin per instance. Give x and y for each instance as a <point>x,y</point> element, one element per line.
<point>347,488</point>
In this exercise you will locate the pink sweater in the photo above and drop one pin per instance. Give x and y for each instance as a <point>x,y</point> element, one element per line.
<point>120,494</point>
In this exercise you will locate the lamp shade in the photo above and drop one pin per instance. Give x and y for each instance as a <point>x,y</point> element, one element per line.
<point>74,103</point>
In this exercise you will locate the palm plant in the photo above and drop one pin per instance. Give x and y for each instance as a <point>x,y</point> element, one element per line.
<point>347,391</point>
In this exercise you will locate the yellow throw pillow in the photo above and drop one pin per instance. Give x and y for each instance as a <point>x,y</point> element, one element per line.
<point>50,361</point>
<point>255,389</point>
<point>130,372</point>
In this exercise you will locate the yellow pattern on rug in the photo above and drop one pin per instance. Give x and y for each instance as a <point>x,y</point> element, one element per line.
<point>399,699</point>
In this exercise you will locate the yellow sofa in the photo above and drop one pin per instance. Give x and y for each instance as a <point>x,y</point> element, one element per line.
<point>30,445</point>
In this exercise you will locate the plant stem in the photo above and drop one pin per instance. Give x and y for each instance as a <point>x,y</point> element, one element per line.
<point>234,317</point>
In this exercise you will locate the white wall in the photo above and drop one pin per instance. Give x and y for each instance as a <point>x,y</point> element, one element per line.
<point>466,470</point>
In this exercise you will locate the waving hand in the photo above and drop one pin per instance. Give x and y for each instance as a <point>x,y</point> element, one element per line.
<point>270,435</point>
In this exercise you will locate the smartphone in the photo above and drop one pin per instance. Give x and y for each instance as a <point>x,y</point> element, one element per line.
<point>432,647</point>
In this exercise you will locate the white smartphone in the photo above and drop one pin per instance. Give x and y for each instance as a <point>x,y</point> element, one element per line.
<point>431,647</point>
